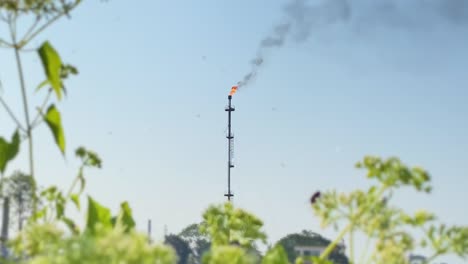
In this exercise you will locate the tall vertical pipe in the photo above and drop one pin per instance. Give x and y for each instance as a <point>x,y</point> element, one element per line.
<point>149,231</point>
<point>230,138</point>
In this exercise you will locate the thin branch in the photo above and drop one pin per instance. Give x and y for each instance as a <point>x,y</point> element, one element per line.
<point>28,50</point>
<point>48,23</point>
<point>39,122</point>
<point>75,181</point>
<point>37,119</point>
<point>328,250</point>
<point>23,137</point>
<point>11,114</point>
<point>3,17</point>
<point>32,27</point>
<point>5,44</point>
<point>77,178</point>
<point>12,27</point>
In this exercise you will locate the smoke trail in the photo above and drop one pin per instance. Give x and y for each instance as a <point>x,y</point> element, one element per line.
<point>277,39</point>
<point>303,17</point>
<point>454,10</point>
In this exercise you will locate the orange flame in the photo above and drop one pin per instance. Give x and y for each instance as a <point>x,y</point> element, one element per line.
<point>233,90</point>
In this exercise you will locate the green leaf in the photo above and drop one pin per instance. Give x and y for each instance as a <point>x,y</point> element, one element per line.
<point>54,121</point>
<point>71,225</point>
<point>125,217</point>
<point>41,214</point>
<point>114,220</point>
<point>318,260</point>
<point>76,200</point>
<point>52,66</point>
<point>42,84</point>
<point>8,151</point>
<point>422,217</point>
<point>68,69</point>
<point>276,255</point>
<point>59,205</point>
<point>80,152</point>
<point>60,209</point>
<point>89,158</point>
<point>98,216</point>
<point>227,255</point>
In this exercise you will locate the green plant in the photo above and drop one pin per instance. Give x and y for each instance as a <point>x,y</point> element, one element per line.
<point>51,236</point>
<point>48,244</point>
<point>40,15</point>
<point>276,255</point>
<point>309,238</point>
<point>104,239</point>
<point>233,233</point>
<point>226,225</point>
<point>228,255</point>
<point>390,230</point>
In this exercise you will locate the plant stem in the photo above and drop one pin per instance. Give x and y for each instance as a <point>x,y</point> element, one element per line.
<point>349,227</point>
<point>5,44</point>
<point>32,27</point>
<point>12,115</point>
<point>25,105</point>
<point>32,35</point>
<point>335,242</point>
<point>36,120</point>
<point>77,178</point>
<point>28,123</point>
<point>26,110</point>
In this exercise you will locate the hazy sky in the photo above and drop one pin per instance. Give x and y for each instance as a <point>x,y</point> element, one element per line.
<point>376,79</point>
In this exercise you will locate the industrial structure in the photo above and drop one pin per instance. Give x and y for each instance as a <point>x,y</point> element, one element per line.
<point>230,137</point>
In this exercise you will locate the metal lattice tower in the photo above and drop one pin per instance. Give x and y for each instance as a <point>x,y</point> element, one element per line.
<point>230,138</point>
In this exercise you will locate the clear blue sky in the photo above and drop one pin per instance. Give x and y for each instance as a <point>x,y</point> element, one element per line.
<point>150,97</point>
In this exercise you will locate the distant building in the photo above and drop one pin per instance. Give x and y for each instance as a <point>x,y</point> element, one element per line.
<point>309,251</point>
<point>417,259</point>
<point>308,244</point>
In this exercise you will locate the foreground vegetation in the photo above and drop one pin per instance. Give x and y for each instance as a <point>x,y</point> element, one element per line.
<point>232,234</point>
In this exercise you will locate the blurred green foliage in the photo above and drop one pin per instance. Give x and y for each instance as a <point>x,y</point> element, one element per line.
<point>227,235</point>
